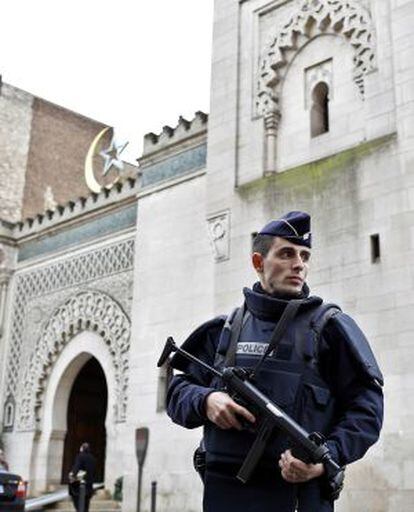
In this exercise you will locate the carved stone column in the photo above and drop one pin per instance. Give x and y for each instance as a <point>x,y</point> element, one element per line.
<point>4,284</point>
<point>271,122</point>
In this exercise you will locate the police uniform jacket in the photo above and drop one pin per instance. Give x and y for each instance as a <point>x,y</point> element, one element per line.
<point>331,384</point>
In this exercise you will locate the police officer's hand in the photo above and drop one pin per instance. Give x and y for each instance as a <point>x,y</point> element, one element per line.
<point>222,410</point>
<point>296,471</point>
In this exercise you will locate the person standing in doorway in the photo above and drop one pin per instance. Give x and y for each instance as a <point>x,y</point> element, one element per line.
<point>84,461</point>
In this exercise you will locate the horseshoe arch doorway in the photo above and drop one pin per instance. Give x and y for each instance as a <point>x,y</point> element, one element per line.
<point>86,413</point>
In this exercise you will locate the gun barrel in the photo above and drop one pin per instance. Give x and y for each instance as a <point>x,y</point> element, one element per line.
<point>170,346</point>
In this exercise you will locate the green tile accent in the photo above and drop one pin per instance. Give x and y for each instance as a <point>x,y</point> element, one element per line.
<point>111,223</point>
<point>175,166</point>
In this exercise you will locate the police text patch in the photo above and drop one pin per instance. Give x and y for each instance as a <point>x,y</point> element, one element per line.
<point>251,348</point>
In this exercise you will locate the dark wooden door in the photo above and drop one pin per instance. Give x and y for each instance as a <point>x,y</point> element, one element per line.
<point>86,418</point>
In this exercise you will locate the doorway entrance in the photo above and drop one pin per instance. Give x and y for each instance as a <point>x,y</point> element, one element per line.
<point>86,415</point>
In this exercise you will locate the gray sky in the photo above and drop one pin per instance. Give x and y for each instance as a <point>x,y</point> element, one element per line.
<point>133,64</point>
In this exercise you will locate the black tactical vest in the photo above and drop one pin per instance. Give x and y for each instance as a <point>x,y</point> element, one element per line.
<point>290,377</point>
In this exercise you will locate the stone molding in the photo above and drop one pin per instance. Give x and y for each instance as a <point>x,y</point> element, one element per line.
<point>73,209</point>
<point>89,310</point>
<point>311,19</point>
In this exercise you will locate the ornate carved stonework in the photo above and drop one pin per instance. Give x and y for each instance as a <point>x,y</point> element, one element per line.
<point>5,275</point>
<point>89,310</point>
<point>271,122</point>
<point>36,293</point>
<point>312,18</point>
<point>219,231</point>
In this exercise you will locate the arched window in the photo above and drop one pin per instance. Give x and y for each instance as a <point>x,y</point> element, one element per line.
<point>8,414</point>
<point>320,109</point>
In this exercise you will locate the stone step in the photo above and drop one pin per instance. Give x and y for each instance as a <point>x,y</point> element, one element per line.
<point>101,505</point>
<point>102,494</point>
<point>72,509</point>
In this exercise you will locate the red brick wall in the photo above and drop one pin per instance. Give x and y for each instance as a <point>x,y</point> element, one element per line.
<point>59,142</point>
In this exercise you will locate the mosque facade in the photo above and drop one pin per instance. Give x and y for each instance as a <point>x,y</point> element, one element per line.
<point>312,108</point>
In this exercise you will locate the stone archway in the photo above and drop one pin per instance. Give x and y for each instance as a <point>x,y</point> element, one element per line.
<point>86,311</point>
<point>48,449</point>
<point>85,418</point>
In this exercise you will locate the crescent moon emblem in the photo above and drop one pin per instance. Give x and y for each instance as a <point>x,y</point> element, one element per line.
<point>89,174</point>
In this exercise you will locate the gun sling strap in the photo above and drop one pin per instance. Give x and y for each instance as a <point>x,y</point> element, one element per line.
<point>277,334</point>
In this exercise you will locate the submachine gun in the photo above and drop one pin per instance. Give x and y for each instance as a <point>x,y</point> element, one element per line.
<point>309,447</point>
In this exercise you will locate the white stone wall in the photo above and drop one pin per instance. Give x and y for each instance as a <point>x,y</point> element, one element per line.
<point>173,295</point>
<point>351,194</point>
<point>222,155</point>
<point>15,125</point>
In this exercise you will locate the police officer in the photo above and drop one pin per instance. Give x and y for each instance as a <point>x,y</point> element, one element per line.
<point>321,371</point>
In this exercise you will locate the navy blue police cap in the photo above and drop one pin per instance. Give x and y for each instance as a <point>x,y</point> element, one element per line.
<point>294,227</point>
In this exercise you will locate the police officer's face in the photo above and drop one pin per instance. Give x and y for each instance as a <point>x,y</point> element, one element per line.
<point>284,268</point>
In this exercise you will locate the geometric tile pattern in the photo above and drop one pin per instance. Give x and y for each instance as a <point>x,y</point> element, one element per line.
<point>65,273</point>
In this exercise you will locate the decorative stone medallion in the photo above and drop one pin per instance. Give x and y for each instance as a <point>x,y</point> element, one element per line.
<point>219,232</point>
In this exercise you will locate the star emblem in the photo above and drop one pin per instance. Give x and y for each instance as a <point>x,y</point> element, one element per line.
<point>111,156</point>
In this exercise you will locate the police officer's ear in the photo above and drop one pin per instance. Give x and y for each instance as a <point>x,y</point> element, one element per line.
<point>257,262</point>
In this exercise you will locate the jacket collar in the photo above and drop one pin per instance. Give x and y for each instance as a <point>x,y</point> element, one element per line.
<point>270,307</point>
